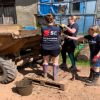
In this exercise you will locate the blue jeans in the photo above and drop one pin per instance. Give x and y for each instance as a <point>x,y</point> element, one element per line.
<point>96,64</point>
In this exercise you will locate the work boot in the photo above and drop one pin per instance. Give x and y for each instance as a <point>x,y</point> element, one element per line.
<point>94,81</point>
<point>55,72</point>
<point>45,67</point>
<point>64,66</point>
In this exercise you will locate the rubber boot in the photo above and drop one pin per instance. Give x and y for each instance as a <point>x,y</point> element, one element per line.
<point>91,75</point>
<point>45,67</point>
<point>94,81</point>
<point>74,74</point>
<point>55,72</point>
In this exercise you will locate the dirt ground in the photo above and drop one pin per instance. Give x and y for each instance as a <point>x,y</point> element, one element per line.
<point>75,90</point>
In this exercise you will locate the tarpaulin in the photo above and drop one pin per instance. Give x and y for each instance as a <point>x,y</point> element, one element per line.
<point>59,8</point>
<point>43,1</point>
<point>44,9</point>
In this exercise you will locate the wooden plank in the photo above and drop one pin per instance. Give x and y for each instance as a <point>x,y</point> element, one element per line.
<point>44,82</point>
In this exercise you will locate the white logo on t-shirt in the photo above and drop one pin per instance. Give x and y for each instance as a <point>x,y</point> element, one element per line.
<point>53,33</point>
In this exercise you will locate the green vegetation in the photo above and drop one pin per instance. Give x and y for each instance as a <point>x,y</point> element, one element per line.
<point>79,63</point>
<point>83,63</point>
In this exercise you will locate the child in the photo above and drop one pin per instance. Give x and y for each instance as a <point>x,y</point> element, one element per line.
<point>94,43</point>
<point>50,44</point>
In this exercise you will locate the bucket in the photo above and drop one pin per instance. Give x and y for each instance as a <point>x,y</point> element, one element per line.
<point>24,87</point>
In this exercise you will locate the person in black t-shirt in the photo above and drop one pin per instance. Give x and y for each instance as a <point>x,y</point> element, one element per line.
<point>50,44</point>
<point>94,43</point>
<point>70,45</point>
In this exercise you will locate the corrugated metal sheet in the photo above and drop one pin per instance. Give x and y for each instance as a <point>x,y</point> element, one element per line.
<point>44,9</point>
<point>86,11</point>
<point>89,20</point>
<point>42,1</point>
<point>98,22</point>
<point>2,2</point>
<point>81,23</point>
<point>90,7</point>
<point>82,7</point>
<point>98,8</point>
<point>7,12</point>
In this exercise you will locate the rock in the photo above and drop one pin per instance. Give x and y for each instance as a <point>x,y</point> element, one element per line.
<point>84,54</point>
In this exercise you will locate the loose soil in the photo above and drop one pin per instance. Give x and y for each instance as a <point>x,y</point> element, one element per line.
<point>75,90</point>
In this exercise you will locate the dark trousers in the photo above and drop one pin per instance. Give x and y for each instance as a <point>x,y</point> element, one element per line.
<point>70,52</point>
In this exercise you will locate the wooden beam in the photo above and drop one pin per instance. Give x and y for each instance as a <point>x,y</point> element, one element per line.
<point>52,84</point>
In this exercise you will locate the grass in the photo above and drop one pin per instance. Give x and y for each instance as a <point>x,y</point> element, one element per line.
<point>77,51</point>
<point>83,63</point>
<point>79,63</point>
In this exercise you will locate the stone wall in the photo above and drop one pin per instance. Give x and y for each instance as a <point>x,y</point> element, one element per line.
<point>26,10</point>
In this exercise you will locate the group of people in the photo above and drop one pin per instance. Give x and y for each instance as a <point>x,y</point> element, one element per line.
<point>51,47</point>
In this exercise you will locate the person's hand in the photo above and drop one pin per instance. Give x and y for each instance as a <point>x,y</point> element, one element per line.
<point>95,59</point>
<point>64,35</point>
<point>63,25</point>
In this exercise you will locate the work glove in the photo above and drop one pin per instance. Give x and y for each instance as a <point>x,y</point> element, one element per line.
<point>63,25</point>
<point>65,36</point>
<point>95,59</point>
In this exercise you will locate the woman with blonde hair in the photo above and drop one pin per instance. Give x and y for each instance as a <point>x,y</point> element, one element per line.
<point>94,43</point>
<point>50,45</point>
<point>69,45</point>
